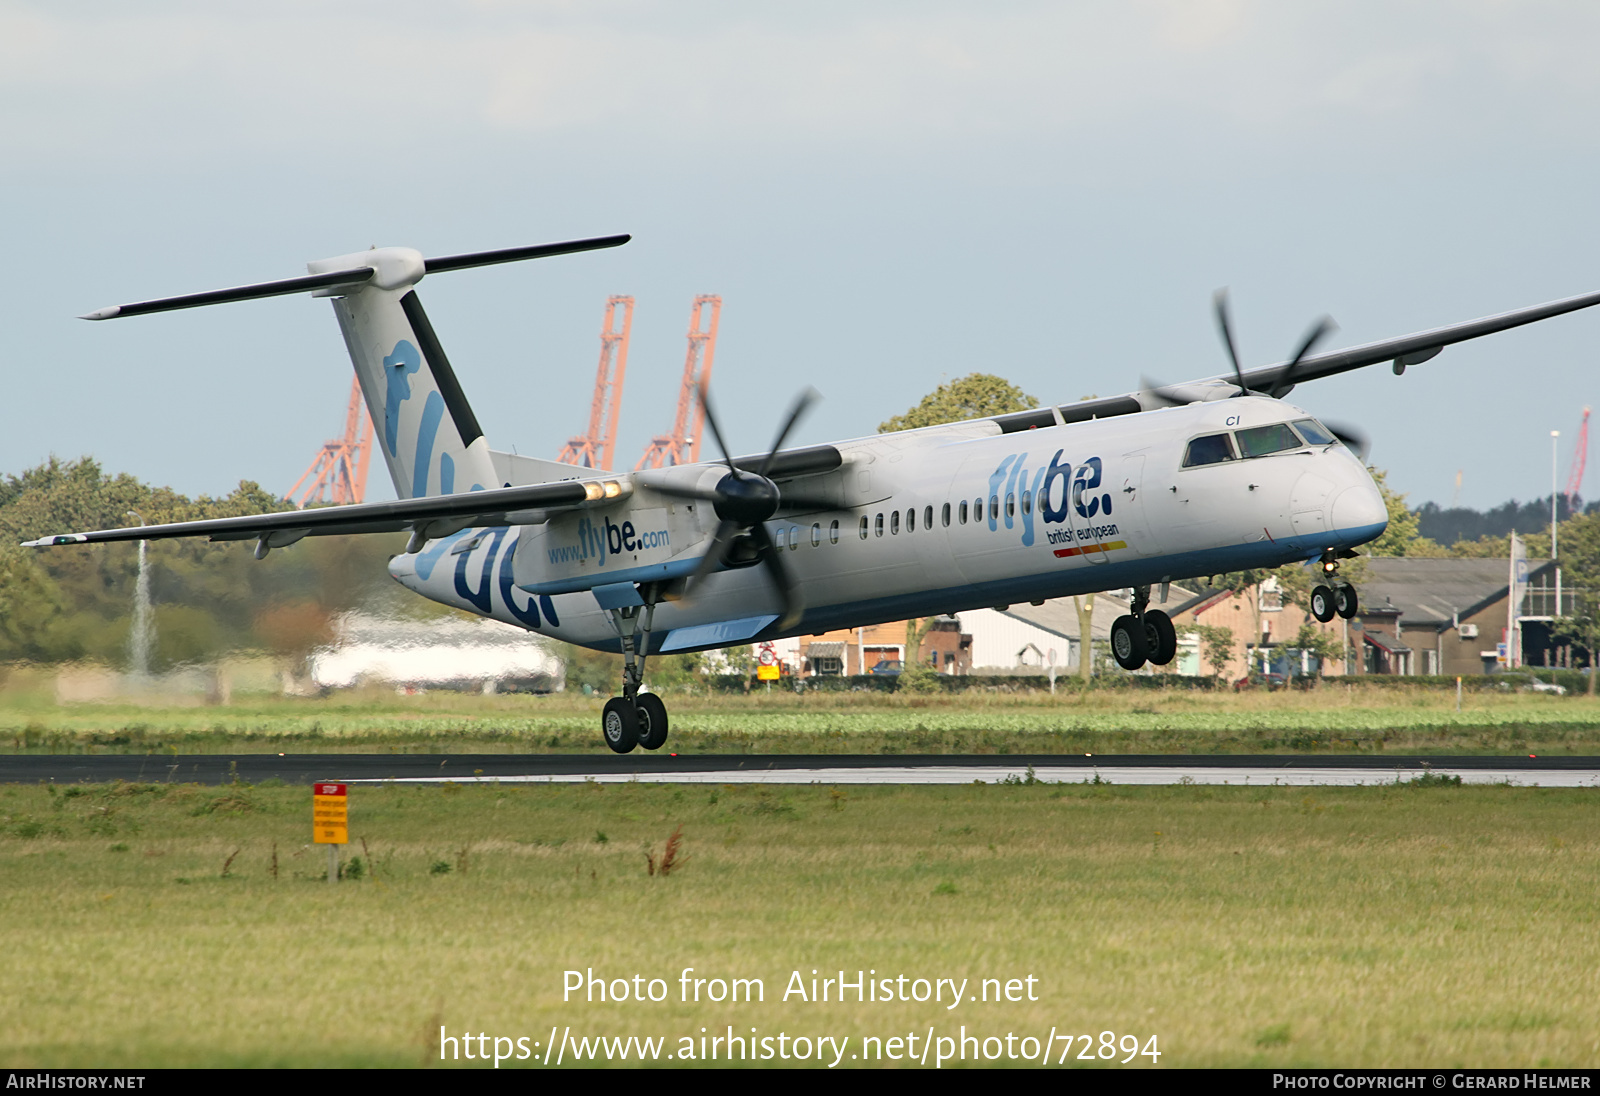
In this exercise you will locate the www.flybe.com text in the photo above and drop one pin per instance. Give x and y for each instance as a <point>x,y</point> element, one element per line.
<point>597,542</point>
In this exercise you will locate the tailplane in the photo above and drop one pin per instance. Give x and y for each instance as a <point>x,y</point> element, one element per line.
<point>429,435</point>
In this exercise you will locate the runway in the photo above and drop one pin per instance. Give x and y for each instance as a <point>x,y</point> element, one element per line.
<point>1236,769</point>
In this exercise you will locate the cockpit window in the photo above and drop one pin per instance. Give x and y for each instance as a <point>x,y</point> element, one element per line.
<point>1261,440</point>
<point>1314,432</point>
<point>1212,449</point>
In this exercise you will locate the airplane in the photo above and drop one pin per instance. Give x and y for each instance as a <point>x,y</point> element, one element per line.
<point>1166,483</point>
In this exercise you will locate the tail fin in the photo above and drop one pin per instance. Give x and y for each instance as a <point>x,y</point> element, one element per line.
<point>430,437</point>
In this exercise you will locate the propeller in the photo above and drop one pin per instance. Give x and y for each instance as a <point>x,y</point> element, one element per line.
<point>1172,395</point>
<point>744,501</point>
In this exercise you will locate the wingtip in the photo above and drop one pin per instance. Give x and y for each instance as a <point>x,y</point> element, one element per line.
<point>103,313</point>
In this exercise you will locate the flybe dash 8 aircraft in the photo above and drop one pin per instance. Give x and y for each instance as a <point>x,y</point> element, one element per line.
<point>1137,491</point>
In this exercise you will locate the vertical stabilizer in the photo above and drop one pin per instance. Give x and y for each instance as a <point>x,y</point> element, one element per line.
<point>426,429</point>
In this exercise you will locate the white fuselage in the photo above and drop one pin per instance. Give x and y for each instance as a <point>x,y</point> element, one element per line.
<point>929,521</point>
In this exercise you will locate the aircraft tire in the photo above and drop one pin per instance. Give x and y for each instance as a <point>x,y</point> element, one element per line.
<point>1346,601</point>
<point>1323,603</point>
<point>1161,637</point>
<point>1128,644</point>
<point>619,725</point>
<point>652,717</point>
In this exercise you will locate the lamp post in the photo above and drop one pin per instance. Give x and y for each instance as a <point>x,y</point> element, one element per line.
<point>1555,436</point>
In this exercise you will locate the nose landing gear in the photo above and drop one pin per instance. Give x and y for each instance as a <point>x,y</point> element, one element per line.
<point>634,718</point>
<point>1340,599</point>
<point>1144,635</point>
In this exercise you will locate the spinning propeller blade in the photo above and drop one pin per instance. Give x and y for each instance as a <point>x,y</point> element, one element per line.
<point>744,501</point>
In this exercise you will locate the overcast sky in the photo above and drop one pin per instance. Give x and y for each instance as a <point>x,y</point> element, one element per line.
<point>885,195</point>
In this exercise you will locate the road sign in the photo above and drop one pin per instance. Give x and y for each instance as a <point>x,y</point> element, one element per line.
<point>330,818</point>
<point>766,673</point>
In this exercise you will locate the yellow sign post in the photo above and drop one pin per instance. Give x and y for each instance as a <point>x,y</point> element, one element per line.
<point>766,673</point>
<point>330,822</point>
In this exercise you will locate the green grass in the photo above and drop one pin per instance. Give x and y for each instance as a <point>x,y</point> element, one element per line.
<point>1333,718</point>
<point>1437,926</point>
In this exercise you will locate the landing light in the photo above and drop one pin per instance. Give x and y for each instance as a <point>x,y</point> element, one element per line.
<point>592,491</point>
<point>613,489</point>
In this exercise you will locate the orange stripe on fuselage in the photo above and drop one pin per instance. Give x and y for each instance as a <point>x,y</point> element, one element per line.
<point>1063,553</point>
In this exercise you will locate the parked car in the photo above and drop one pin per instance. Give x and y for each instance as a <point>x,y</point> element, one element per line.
<point>1537,686</point>
<point>888,667</point>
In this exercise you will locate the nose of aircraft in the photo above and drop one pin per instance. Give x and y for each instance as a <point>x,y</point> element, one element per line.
<point>403,569</point>
<point>1359,514</point>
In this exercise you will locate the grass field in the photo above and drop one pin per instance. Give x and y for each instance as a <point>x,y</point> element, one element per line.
<point>1332,718</point>
<point>1416,925</point>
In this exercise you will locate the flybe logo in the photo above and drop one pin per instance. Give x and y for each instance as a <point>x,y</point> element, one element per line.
<point>1058,494</point>
<point>597,542</point>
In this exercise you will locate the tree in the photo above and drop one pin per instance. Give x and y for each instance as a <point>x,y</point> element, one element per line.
<point>1582,626</point>
<point>1085,607</point>
<point>975,396</point>
<point>1218,643</point>
<point>1320,643</point>
<point>916,675</point>
<point>1403,536</point>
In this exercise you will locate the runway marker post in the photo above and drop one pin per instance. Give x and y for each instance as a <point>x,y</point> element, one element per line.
<point>330,822</point>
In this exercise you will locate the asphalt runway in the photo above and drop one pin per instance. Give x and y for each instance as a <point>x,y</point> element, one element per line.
<point>1234,769</point>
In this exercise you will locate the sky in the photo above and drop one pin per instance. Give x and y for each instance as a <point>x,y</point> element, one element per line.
<point>885,195</point>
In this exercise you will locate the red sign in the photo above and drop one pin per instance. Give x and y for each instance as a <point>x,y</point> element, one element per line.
<point>329,789</point>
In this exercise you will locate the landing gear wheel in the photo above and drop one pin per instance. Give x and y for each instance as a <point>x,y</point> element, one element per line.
<point>1345,600</point>
<point>1128,643</point>
<point>652,716</point>
<point>619,723</point>
<point>1323,605</point>
<point>1161,637</point>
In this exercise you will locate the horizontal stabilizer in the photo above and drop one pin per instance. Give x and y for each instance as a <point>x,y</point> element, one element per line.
<point>360,275</point>
<point>238,293</point>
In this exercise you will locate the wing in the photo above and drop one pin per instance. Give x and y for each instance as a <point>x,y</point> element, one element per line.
<point>426,517</point>
<point>441,515</point>
<point>1403,351</point>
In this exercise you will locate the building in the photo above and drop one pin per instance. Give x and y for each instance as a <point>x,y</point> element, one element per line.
<point>443,653</point>
<point>1272,651</point>
<point>1449,616</point>
<point>849,651</point>
<point>1031,638</point>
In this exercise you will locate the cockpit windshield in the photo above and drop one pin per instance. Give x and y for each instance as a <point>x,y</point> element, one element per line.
<point>1258,441</point>
<point>1314,432</point>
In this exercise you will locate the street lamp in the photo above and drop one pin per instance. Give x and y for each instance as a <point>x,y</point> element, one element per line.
<point>1555,436</point>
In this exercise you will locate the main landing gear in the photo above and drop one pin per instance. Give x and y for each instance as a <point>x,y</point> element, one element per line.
<point>634,718</point>
<point>1144,635</point>
<point>1340,599</point>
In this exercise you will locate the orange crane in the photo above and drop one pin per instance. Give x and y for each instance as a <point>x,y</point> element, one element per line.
<point>682,446</point>
<point>338,475</point>
<point>1579,455</point>
<point>594,449</point>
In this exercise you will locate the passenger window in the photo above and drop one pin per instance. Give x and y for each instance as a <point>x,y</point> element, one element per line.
<point>961,515</point>
<point>780,537</point>
<point>944,516</point>
<point>994,507</point>
<point>794,537</point>
<point>1314,432</point>
<point>927,517</point>
<point>911,521</point>
<point>1027,502</point>
<point>977,509</point>
<point>1258,441</point>
<point>863,527</point>
<point>1212,449</point>
<point>1011,505</point>
<point>894,523</point>
<point>877,526</point>
<point>833,531</point>
<point>816,535</point>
